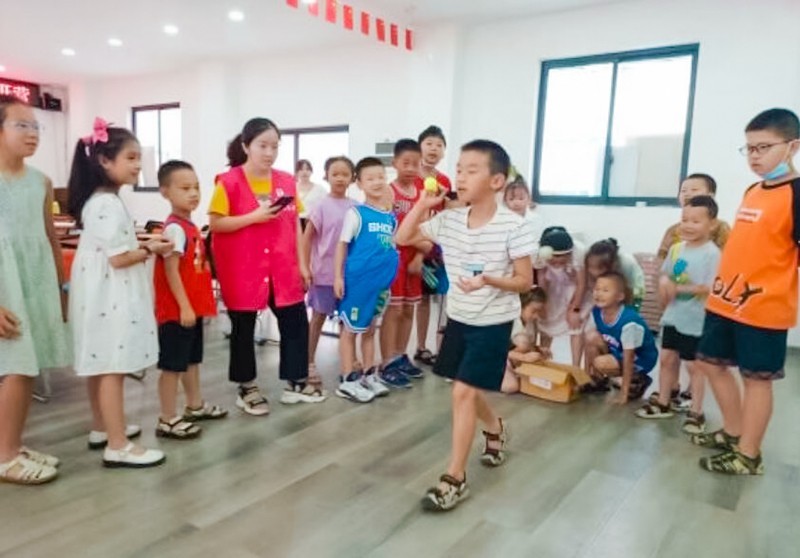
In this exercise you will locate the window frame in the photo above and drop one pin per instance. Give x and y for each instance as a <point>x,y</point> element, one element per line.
<point>692,49</point>
<point>158,108</point>
<point>297,132</point>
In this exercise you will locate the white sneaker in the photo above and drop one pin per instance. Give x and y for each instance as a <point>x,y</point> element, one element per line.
<point>352,389</point>
<point>372,383</point>
<point>124,458</point>
<point>99,440</point>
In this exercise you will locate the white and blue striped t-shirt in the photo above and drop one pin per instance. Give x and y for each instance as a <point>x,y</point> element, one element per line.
<point>491,250</point>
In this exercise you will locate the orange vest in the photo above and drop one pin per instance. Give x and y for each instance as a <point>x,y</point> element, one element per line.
<point>757,279</point>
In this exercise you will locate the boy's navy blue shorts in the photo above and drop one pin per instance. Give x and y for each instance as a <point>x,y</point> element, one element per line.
<point>180,346</point>
<point>475,355</point>
<point>758,352</point>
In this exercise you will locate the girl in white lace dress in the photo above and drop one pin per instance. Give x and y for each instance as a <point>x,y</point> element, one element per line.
<point>111,301</point>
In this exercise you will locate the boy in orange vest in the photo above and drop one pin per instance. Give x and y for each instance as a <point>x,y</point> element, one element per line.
<point>753,300</point>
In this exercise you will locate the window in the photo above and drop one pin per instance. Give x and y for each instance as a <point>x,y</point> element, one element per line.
<point>158,128</point>
<point>314,145</point>
<point>615,128</point>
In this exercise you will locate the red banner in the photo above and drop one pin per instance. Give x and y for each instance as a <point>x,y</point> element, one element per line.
<point>330,11</point>
<point>409,39</point>
<point>313,9</point>
<point>365,23</point>
<point>393,34</point>
<point>347,16</point>
<point>380,27</point>
<point>292,3</point>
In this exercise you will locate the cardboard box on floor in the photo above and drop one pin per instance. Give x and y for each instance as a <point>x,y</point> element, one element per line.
<point>552,381</point>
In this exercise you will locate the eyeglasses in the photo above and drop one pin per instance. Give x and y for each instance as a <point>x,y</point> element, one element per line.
<point>26,127</point>
<point>760,149</point>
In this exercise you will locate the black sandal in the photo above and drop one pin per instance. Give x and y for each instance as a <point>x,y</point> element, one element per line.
<point>425,357</point>
<point>494,457</point>
<point>177,429</point>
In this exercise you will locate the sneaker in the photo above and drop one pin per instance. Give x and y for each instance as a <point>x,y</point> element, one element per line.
<point>444,499</point>
<point>251,401</point>
<point>394,378</point>
<point>99,440</point>
<point>733,463</point>
<point>407,367</point>
<point>718,439</point>
<point>125,458</point>
<point>298,393</point>
<point>352,388</point>
<point>639,385</point>
<point>655,411</point>
<point>695,423</point>
<point>598,385</point>
<point>372,383</point>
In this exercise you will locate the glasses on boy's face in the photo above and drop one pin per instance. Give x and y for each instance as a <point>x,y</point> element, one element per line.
<point>25,126</point>
<point>759,149</point>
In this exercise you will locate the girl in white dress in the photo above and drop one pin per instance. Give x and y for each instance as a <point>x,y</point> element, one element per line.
<point>111,301</point>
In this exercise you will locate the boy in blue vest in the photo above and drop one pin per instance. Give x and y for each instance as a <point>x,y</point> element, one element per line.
<point>619,343</point>
<point>364,267</point>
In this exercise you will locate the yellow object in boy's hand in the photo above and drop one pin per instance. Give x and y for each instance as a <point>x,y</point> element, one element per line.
<point>431,185</point>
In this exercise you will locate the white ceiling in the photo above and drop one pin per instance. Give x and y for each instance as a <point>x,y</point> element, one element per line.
<point>32,33</point>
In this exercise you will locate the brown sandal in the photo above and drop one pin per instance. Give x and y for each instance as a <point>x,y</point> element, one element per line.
<point>177,429</point>
<point>494,457</point>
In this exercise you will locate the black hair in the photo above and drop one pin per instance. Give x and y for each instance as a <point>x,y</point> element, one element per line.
<point>404,145</point>
<point>621,282</point>
<point>608,251</point>
<point>366,163</point>
<point>536,294</point>
<point>5,102</point>
<point>432,132</point>
<point>781,121</point>
<point>711,184</point>
<point>518,183</point>
<point>252,129</point>
<point>340,159</point>
<point>166,170</point>
<point>707,202</point>
<point>499,161</point>
<point>87,174</point>
<point>298,166</point>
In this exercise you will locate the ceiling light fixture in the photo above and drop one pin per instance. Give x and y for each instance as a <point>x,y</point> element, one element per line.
<point>114,42</point>
<point>170,29</point>
<point>2,68</point>
<point>236,15</point>
<point>68,51</point>
<point>309,1</point>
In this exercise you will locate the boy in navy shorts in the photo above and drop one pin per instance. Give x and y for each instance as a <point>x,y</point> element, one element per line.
<point>487,253</point>
<point>183,298</point>
<point>753,300</point>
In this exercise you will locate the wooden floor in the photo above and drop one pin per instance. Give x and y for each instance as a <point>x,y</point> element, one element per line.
<point>344,480</point>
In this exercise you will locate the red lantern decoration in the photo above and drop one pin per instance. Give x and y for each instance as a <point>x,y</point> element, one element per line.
<point>393,34</point>
<point>330,11</point>
<point>380,27</point>
<point>365,23</point>
<point>313,9</point>
<point>409,39</point>
<point>292,3</point>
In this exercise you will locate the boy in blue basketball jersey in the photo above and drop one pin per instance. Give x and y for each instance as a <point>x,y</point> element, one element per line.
<point>620,343</point>
<point>365,266</point>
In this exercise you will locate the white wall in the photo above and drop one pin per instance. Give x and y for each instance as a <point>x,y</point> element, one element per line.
<point>498,78</point>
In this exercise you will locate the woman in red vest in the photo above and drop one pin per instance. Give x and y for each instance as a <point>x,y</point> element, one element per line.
<point>255,242</point>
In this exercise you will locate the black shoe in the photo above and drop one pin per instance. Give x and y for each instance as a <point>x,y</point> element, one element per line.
<point>639,385</point>
<point>598,385</point>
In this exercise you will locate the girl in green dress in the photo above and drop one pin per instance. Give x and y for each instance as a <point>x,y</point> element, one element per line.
<point>33,334</point>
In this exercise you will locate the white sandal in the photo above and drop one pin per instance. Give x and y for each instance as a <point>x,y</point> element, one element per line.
<point>22,470</point>
<point>39,457</point>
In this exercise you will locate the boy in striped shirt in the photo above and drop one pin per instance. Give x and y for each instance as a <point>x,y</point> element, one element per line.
<point>487,252</point>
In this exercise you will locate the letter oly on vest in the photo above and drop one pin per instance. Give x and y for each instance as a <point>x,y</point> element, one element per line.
<point>260,258</point>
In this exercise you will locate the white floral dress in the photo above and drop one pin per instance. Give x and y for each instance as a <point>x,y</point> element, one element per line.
<point>111,310</point>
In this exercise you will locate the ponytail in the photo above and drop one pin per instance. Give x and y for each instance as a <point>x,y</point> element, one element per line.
<point>252,129</point>
<point>236,155</point>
